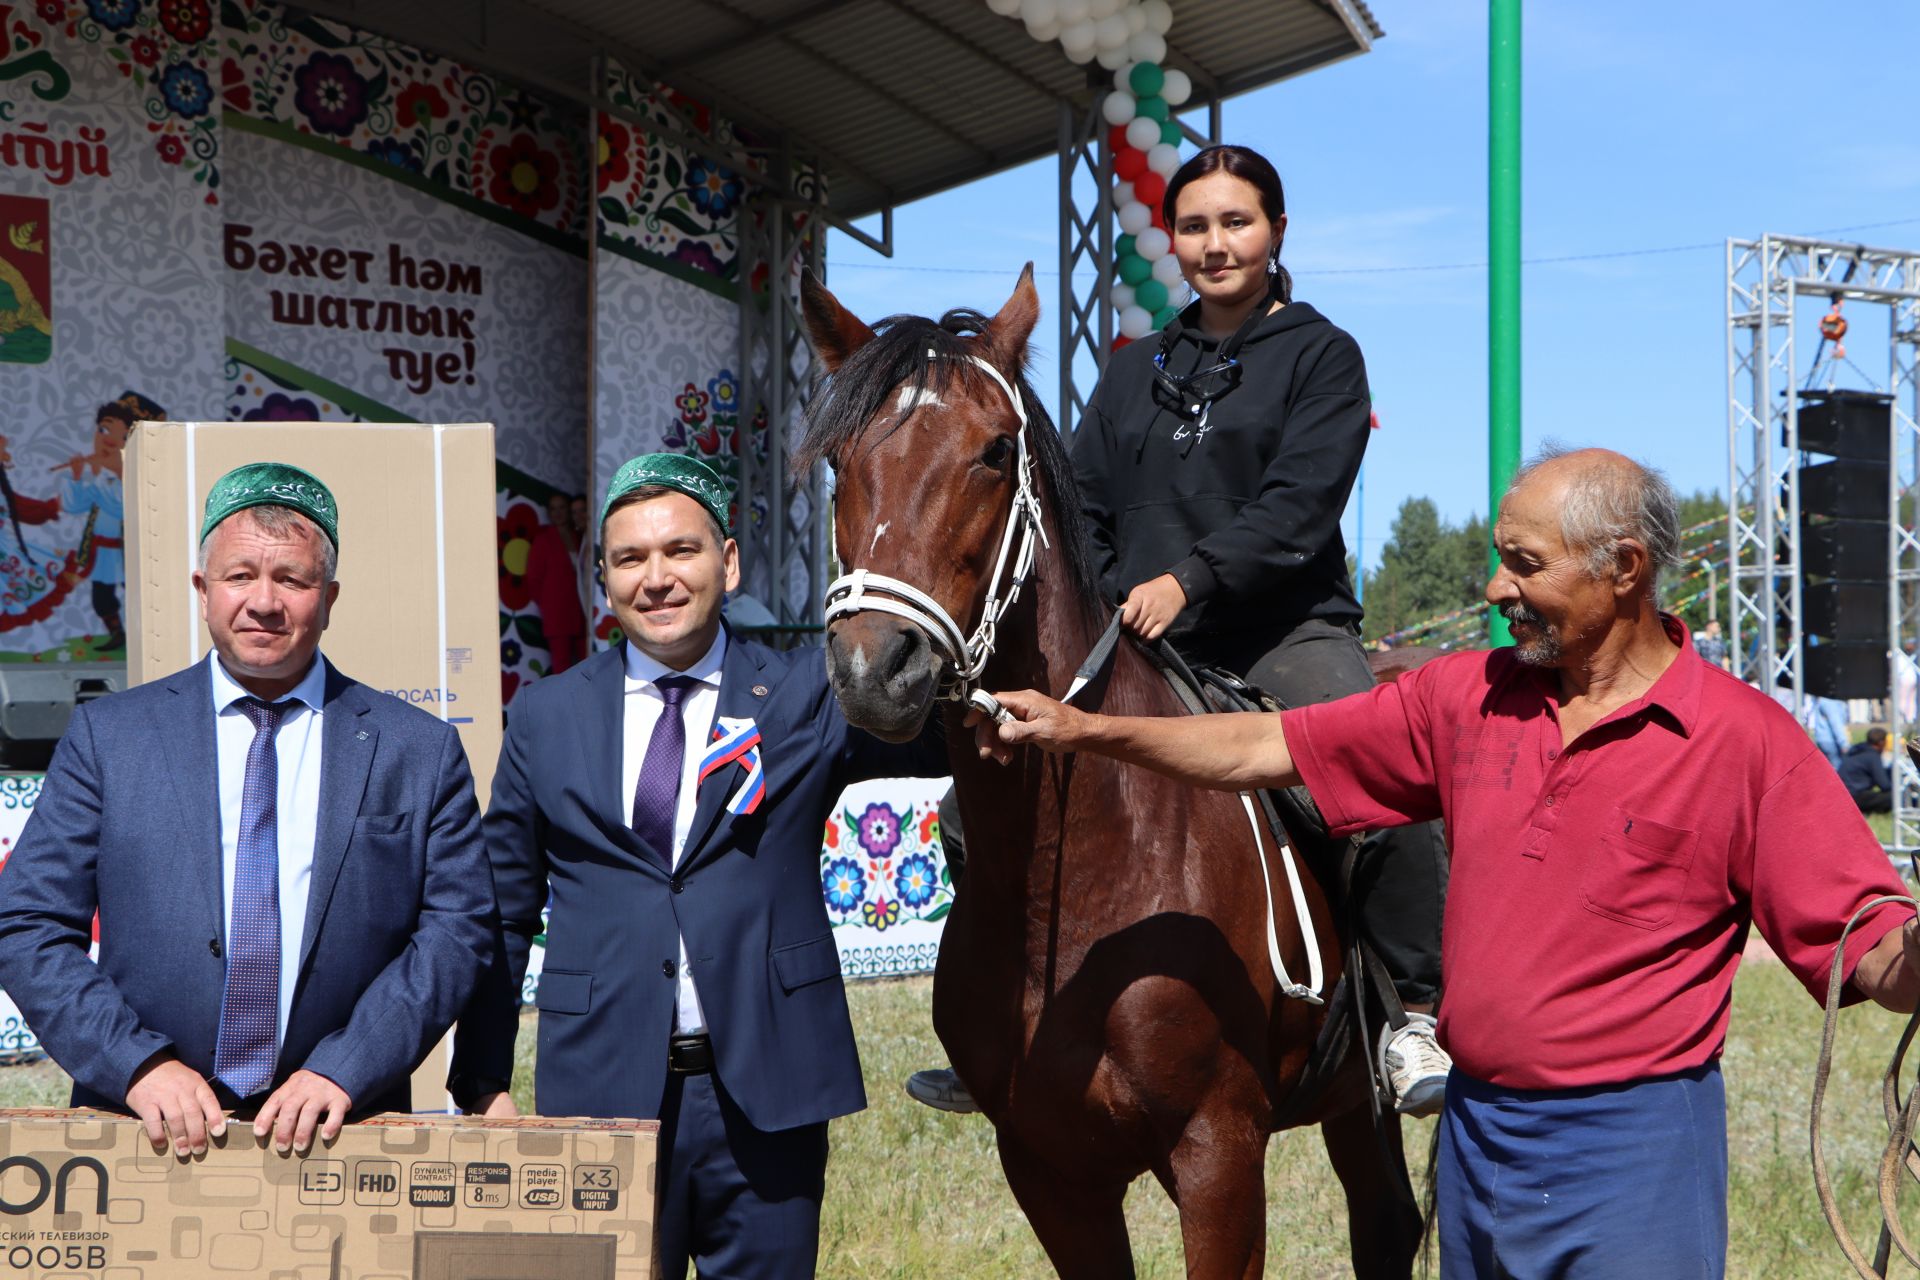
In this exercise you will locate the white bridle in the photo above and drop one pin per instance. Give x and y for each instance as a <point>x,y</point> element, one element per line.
<point>966,657</point>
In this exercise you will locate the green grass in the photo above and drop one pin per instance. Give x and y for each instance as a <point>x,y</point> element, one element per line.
<point>915,1193</point>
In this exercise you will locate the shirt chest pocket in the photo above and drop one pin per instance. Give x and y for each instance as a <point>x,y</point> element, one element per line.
<point>1637,871</point>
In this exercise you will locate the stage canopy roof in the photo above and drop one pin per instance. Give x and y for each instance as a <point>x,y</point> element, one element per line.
<point>898,98</point>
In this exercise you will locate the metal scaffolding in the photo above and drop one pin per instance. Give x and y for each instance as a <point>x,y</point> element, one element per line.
<point>1086,228</point>
<point>782,526</point>
<point>1766,281</point>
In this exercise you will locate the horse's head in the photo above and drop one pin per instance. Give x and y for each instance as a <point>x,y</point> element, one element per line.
<point>924,443</point>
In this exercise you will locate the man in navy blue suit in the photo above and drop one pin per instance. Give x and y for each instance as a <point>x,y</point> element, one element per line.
<point>292,886</point>
<point>670,794</point>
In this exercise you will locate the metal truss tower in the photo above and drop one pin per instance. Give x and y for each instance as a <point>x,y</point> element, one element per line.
<point>1767,279</point>
<point>783,526</point>
<point>1086,229</point>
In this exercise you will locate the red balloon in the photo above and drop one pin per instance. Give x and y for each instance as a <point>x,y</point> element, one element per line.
<point>1117,137</point>
<point>1159,215</point>
<point>1129,163</point>
<point>1120,340</point>
<point>1150,188</point>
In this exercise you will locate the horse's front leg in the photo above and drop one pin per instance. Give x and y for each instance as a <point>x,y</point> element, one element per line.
<point>1080,1223</point>
<point>1217,1176</point>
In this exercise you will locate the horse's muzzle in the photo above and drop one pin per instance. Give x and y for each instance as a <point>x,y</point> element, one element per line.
<point>884,672</point>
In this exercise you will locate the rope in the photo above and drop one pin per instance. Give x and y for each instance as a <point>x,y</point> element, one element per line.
<point>1900,1117</point>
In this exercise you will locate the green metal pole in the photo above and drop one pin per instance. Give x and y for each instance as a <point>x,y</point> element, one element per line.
<point>1503,269</point>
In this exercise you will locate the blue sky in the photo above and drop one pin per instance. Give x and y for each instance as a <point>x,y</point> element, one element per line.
<point>1647,126</point>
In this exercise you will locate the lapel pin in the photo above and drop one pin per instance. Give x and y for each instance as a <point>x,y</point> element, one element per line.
<point>759,691</point>
<point>362,735</point>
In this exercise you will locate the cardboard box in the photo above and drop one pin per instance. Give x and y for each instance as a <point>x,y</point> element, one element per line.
<point>419,608</point>
<point>82,1193</point>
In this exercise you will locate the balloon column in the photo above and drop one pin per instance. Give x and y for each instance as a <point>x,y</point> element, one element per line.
<point>1128,38</point>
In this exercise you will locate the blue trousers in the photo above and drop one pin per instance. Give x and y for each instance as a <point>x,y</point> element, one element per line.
<point>1584,1184</point>
<point>738,1202</point>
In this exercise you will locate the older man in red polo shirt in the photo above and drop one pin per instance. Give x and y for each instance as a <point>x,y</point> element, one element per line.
<point>1620,812</point>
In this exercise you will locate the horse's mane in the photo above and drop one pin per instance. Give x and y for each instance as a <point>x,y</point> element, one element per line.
<point>845,403</point>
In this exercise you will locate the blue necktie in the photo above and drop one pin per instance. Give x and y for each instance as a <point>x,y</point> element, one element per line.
<point>244,1055</point>
<point>656,795</point>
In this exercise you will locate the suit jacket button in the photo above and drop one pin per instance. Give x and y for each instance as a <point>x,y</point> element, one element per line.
<point>679,886</point>
<point>214,949</point>
<point>666,968</point>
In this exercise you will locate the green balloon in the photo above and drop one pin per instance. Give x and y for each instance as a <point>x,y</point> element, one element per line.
<point>1170,133</point>
<point>1134,269</point>
<point>1123,247</point>
<point>1165,315</point>
<point>1147,79</point>
<point>1154,108</point>
<point>1150,294</point>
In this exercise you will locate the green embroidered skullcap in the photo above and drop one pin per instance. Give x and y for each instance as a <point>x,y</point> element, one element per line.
<point>674,471</point>
<point>272,484</point>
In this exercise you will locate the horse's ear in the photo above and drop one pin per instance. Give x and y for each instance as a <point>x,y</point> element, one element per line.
<point>836,332</point>
<point>1007,333</point>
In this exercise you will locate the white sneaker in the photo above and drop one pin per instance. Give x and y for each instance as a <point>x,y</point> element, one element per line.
<point>1415,1066</point>
<point>942,1090</point>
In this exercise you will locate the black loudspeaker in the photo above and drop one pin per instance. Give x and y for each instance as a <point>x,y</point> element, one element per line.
<point>1846,424</point>
<point>1855,611</point>
<point>1843,548</point>
<point>1846,670</point>
<point>1855,490</point>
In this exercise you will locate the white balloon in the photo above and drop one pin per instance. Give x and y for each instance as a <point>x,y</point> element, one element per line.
<point>1123,75</point>
<point>1152,244</point>
<point>1112,32</point>
<point>1163,158</point>
<point>1121,296</point>
<point>1135,217</point>
<point>1178,88</point>
<point>1005,8</point>
<point>1081,56</point>
<point>1136,19</point>
<point>1117,107</point>
<point>1166,269</point>
<point>1159,16</point>
<point>1036,13</point>
<point>1143,133</point>
<point>1098,9</point>
<point>1136,322</point>
<point>1111,59</point>
<point>1077,37</point>
<point>1122,194</point>
<point>1073,11</point>
<point>1147,47</point>
<point>1045,33</point>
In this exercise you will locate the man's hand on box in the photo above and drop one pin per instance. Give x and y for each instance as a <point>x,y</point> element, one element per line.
<point>495,1106</point>
<point>172,1099</point>
<point>305,1102</point>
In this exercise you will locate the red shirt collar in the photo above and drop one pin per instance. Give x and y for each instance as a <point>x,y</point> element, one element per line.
<point>1676,692</point>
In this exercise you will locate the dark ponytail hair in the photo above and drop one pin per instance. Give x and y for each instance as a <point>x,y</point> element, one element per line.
<point>1250,167</point>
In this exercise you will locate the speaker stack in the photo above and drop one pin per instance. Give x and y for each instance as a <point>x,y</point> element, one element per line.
<point>1845,508</point>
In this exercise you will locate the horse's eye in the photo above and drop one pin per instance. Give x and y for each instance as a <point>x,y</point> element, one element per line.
<point>998,452</point>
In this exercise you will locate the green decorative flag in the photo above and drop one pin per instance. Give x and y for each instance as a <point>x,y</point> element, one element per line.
<point>674,471</point>
<point>272,484</point>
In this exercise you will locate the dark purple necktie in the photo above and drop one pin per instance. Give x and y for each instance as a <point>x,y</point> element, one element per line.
<point>657,792</point>
<point>244,1053</point>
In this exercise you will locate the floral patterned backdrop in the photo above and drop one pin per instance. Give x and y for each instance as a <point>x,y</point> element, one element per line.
<point>457,128</point>
<point>883,874</point>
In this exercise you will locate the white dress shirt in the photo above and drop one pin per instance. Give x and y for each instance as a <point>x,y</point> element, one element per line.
<point>643,705</point>
<point>296,746</point>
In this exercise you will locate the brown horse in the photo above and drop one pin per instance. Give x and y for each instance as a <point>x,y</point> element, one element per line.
<point>1104,986</point>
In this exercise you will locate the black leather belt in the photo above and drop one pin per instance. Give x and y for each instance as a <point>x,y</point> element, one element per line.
<point>689,1055</point>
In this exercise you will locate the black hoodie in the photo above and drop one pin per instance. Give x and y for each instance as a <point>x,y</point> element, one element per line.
<point>1247,516</point>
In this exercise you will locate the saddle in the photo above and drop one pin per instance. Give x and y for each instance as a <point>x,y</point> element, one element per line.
<point>1364,996</point>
